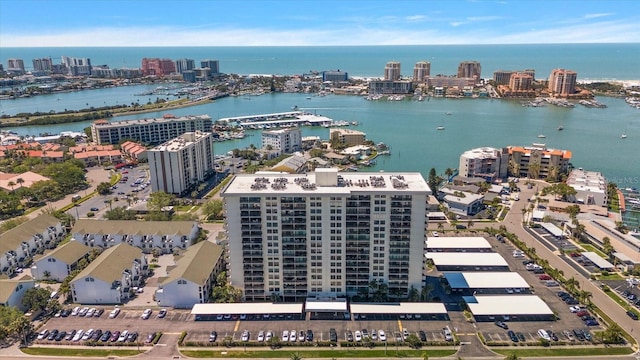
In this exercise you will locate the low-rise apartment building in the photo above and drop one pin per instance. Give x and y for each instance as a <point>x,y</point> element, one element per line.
<point>109,279</point>
<point>12,291</point>
<point>19,245</point>
<point>191,279</point>
<point>146,235</point>
<point>59,263</point>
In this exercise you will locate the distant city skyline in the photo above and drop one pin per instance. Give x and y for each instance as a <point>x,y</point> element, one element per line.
<point>79,23</point>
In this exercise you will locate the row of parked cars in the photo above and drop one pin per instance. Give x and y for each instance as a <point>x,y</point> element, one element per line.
<point>549,335</point>
<point>91,334</point>
<point>80,312</point>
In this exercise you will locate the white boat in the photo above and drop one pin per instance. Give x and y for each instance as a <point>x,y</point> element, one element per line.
<point>448,112</point>
<point>623,136</point>
<point>440,128</point>
<point>560,128</point>
<point>541,136</point>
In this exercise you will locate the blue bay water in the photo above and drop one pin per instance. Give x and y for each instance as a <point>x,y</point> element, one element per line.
<point>409,127</point>
<point>591,61</point>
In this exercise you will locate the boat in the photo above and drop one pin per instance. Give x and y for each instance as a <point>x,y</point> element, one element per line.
<point>541,136</point>
<point>448,112</point>
<point>440,128</point>
<point>560,128</point>
<point>623,136</point>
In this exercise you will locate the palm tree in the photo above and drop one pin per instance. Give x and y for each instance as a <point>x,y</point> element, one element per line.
<point>440,226</point>
<point>22,327</point>
<point>46,275</point>
<point>572,284</point>
<point>584,297</point>
<point>534,170</point>
<point>295,356</point>
<point>12,184</point>
<point>20,181</point>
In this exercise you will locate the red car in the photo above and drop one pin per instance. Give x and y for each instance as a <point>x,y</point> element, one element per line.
<point>582,313</point>
<point>544,277</point>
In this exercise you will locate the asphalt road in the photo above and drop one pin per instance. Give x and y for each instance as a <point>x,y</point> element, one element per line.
<point>513,222</point>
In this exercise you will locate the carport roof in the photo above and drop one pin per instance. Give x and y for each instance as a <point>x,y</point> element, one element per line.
<point>552,229</point>
<point>485,280</point>
<point>399,308</point>
<point>246,308</point>
<point>507,305</point>
<point>462,242</point>
<point>325,306</point>
<point>466,259</point>
<point>597,260</point>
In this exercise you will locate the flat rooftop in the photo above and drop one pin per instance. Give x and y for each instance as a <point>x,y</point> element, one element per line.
<point>507,305</point>
<point>152,121</point>
<point>399,308</point>
<point>485,280</point>
<point>597,260</point>
<point>466,259</point>
<point>246,308</point>
<point>472,242</point>
<point>311,183</point>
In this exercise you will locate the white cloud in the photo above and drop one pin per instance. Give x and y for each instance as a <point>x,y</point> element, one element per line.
<point>598,15</point>
<point>416,18</point>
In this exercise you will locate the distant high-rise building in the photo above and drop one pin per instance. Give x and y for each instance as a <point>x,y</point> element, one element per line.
<point>214,65</point>
<point>503,77</point>
<point>392,71</point>
<point>470,69</point>
<point>485,162</point>
<point>284,141</point>
<point>183,65</point>
<point>42,64</point>
<point>421,71</point>
<point>520,81</point>
<point>335,76</point>
<point>562,82</point>
<point>77,66</point>
<point>158,67</point>
<point>182,162</point>
<point>15,66</point>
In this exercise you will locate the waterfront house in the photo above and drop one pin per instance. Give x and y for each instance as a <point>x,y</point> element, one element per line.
<point>190,280</point>
<point>146,235</point>
<point>59,263</point>
<point>20,244</point>
<point>109,279</point>
<point>465,204</point>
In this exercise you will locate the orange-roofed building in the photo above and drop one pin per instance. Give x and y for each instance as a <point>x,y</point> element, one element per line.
<point>27,179</point>
<point>537,161</point>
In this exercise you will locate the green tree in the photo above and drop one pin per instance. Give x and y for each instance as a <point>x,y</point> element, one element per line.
<point>22,327</point>
<point>104,188</point>
<point>212,208</point>
<point>159,200</point>
<point>613,334</point>
<point>607,247</point>
<point>120,213</point>
<point>36,299</point>
<point>432,180</point>
<point>512,357</point>
<point>413,341</point>
<point>295,356</point>
<point>414,295</point>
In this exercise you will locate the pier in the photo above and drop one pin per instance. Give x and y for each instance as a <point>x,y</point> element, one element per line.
<point>284,119</point>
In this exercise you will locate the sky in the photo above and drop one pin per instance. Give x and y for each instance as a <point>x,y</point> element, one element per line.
<point>83,23</point>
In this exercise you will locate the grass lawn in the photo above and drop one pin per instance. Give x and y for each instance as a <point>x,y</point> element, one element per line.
<point>586,351</point>
<point>337,353</point>
<point>55,351</point>
<point>611,276</point>
<point>592,248</point>
<point>612,294</point>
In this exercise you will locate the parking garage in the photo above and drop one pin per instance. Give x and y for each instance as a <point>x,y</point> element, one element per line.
<point>404,311</point>
<point>327,310</point>
<point>242,311</point>
<point>508,308</point>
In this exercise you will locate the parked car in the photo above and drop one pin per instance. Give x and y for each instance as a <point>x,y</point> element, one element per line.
<point>115,336</point>
<point>123,336</point>
<point>405,334</point>
<point>285,336</point>
<point>423,336</point>
<point>245,335</point>
<point>96,335</point>
<point>512,336</point>
<point>52,335</point>
<point>90,312</point>
<point>382,336</point>
<point>162,313</point>
<point>293,336</point>
<point>61,335</point>
<point>445,332</point>
<point>106,335</point>
<point>502,325</point>
<point>358,335</point>
<point>146,314</point>
<point>309,335</point>
<point>520,336</point>
<point>544,277</point>
<point>95,209</point>
<point>582,313</point>
<point>213,336</point>
<point>78,335</point>
<point>349,335</point>
<point>544,334</point>
<point>552,335</point>
<point>632,315</point>
<point>261,336</point>
<point>65,312</point>
<point>574,308</point>
<point>75,311</point>
<point>43,334</point>
<point>114,313</point>
<point>88,334</point>
<point>70,335</point>
<point>132,337</point>
<point>374,334</point>
<point>592,323</point>
<point>333,335</point>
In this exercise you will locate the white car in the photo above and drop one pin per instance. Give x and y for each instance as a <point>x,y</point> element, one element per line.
<point>78,335</point>
<point>292,336</point>
<point>544,334</point>
<point>43,334</point>
<point>123,336</point>
<point>146,314</point>
<point>268,336</point>
<point>114,313</point>
<point>357,335</point>
<point>83,311</point>
<point>261,336</point>
<point>87,334</point>
<point>245,335</point>
<point>285,335</point>
<point>405,334</point>
<point>382,336</point>
<point>90,312</point>
<point>374,335</point>
<point>574,309</point>
<point>75,311</point>
<point>301,335</point>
